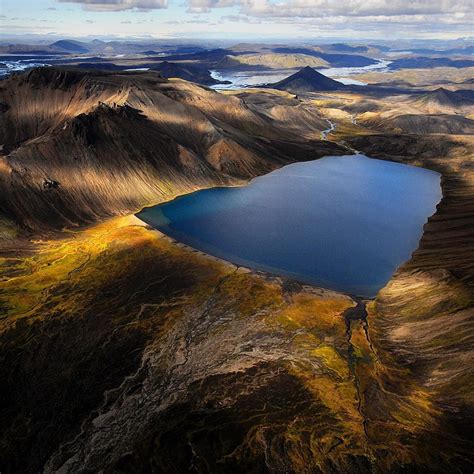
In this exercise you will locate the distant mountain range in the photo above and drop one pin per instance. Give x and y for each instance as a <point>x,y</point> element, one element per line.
<point>422,62</point>
<point>189,72</point>
<point>270,61</point>
<point>335,55</point>
<point>335,60</point>
<point>70,46</point>
<point>466,50</point>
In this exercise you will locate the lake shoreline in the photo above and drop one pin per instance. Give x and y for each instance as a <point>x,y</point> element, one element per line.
<point>206,247</point>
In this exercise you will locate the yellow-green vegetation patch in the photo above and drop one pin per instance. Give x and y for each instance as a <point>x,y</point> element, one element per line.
<point>313,312</point>
<point>8,230</point>
<point>87,260</point>
<point>251,293</point>
<point>332,359</point>
<point>339,395</point>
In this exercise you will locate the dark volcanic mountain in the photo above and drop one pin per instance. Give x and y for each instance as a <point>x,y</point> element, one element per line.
<point>208,57</point>
<point>307,80</point>
<point>70,46</point>
<point>188,72</point>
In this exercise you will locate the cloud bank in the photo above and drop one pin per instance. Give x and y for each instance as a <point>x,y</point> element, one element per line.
<point>338,18</point>
<point>321,8</point>
<point>119,5</point>
<point>395,16</point>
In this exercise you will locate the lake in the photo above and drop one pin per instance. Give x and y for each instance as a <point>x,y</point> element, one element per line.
<point>344,223</point>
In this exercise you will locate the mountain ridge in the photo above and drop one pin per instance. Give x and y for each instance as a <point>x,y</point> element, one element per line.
<point>132,139</point>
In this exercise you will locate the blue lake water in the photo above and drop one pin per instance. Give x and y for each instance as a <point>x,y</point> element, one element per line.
<point>344,223</point>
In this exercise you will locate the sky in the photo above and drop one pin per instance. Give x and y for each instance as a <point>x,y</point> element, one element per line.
<point>240,19</point>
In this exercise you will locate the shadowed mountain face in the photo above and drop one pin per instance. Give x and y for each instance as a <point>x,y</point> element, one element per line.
<point>188,72</point>
<point>268,56</point>
<point>307,80</point>
<point>70,46</point>
<point>447,98</point>
<point>82,146</point>
<point>437,111</point>
<point>426,62</point>
<point>345,48</point>
<point>208,57</point>
<point>422,123</point>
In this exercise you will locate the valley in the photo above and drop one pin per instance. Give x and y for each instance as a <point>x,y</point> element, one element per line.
<point>150,356</point>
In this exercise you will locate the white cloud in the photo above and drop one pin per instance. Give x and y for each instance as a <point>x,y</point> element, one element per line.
<point>202,6</point>
<point>323,8</point>
<point>119,5</point>
<point>399,17</point>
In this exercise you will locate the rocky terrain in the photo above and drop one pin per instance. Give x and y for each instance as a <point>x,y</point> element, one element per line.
<point>124,351</point>
<point>130,139</point>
